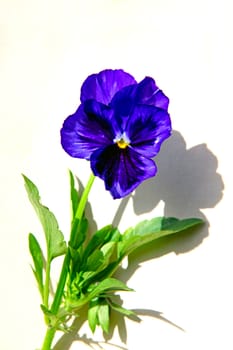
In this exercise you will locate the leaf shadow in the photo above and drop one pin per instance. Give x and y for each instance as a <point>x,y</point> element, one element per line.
<point>158,315</point>
<point>118,321</point>
<point>67,339</point>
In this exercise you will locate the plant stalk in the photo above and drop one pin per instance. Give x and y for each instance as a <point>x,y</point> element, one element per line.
<point>50,333</point>
<point>47,283</point>
<point>48,339</point>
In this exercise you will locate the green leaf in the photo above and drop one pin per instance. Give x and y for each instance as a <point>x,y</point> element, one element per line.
<point>54,238</point>
<point>102,236</point>
<point>122,310</point>
<point>108,249</point>
<point>98,261</point>
<point>94,261</point>
<point>37,257</point>
<point>93,314</point>
<point>149,230</point>
<point>74,195</point>
<point>108,285</point>
<point>98,314</point>
<point>103,315</point>
<point>82,231</point>
<point>96,290</point>
<point>46,311</point>
<point>82,226</point>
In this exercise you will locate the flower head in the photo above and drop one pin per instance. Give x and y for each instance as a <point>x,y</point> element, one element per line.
<point>119,126</point>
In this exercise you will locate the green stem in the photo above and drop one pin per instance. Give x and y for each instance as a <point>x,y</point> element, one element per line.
<point>47,283</point>
<point>65,267</point>
<point>61,284</point>
<point>48,339</point>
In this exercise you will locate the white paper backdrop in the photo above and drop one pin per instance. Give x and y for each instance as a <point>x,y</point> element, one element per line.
<point>47,48</point>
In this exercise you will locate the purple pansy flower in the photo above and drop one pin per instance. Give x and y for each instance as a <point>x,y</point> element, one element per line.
<point>119,126</point>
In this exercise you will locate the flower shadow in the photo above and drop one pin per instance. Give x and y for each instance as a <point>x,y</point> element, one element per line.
<point>187,181</point>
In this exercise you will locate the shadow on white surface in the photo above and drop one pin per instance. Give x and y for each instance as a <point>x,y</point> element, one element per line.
<point>187,181</point>
<point>118,321</point>
<point>66,341</point>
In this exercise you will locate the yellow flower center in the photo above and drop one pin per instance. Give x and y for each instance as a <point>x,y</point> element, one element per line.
<point>122,143</point>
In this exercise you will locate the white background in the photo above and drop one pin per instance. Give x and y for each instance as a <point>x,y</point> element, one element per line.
<point>47,48</point>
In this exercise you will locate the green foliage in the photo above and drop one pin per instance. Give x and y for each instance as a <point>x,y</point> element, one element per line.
<point>99,314</point>
<point>150,230</point>
<point>37,257</point>
<point>78,232</point>
<point>103,315</point>
<point>103,288</point>
<point>93,314</point>
<point>54,238</point>
<point>74,195</point>
<point>105,235</point>
<point>90,263</point>
<point>118,308</point>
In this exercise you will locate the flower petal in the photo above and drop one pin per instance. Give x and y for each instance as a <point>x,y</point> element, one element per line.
<point>103,86</point>
<point>121,170</point>
<point>147,128</point>
<point>82,133</point>
<point>146,92</point>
